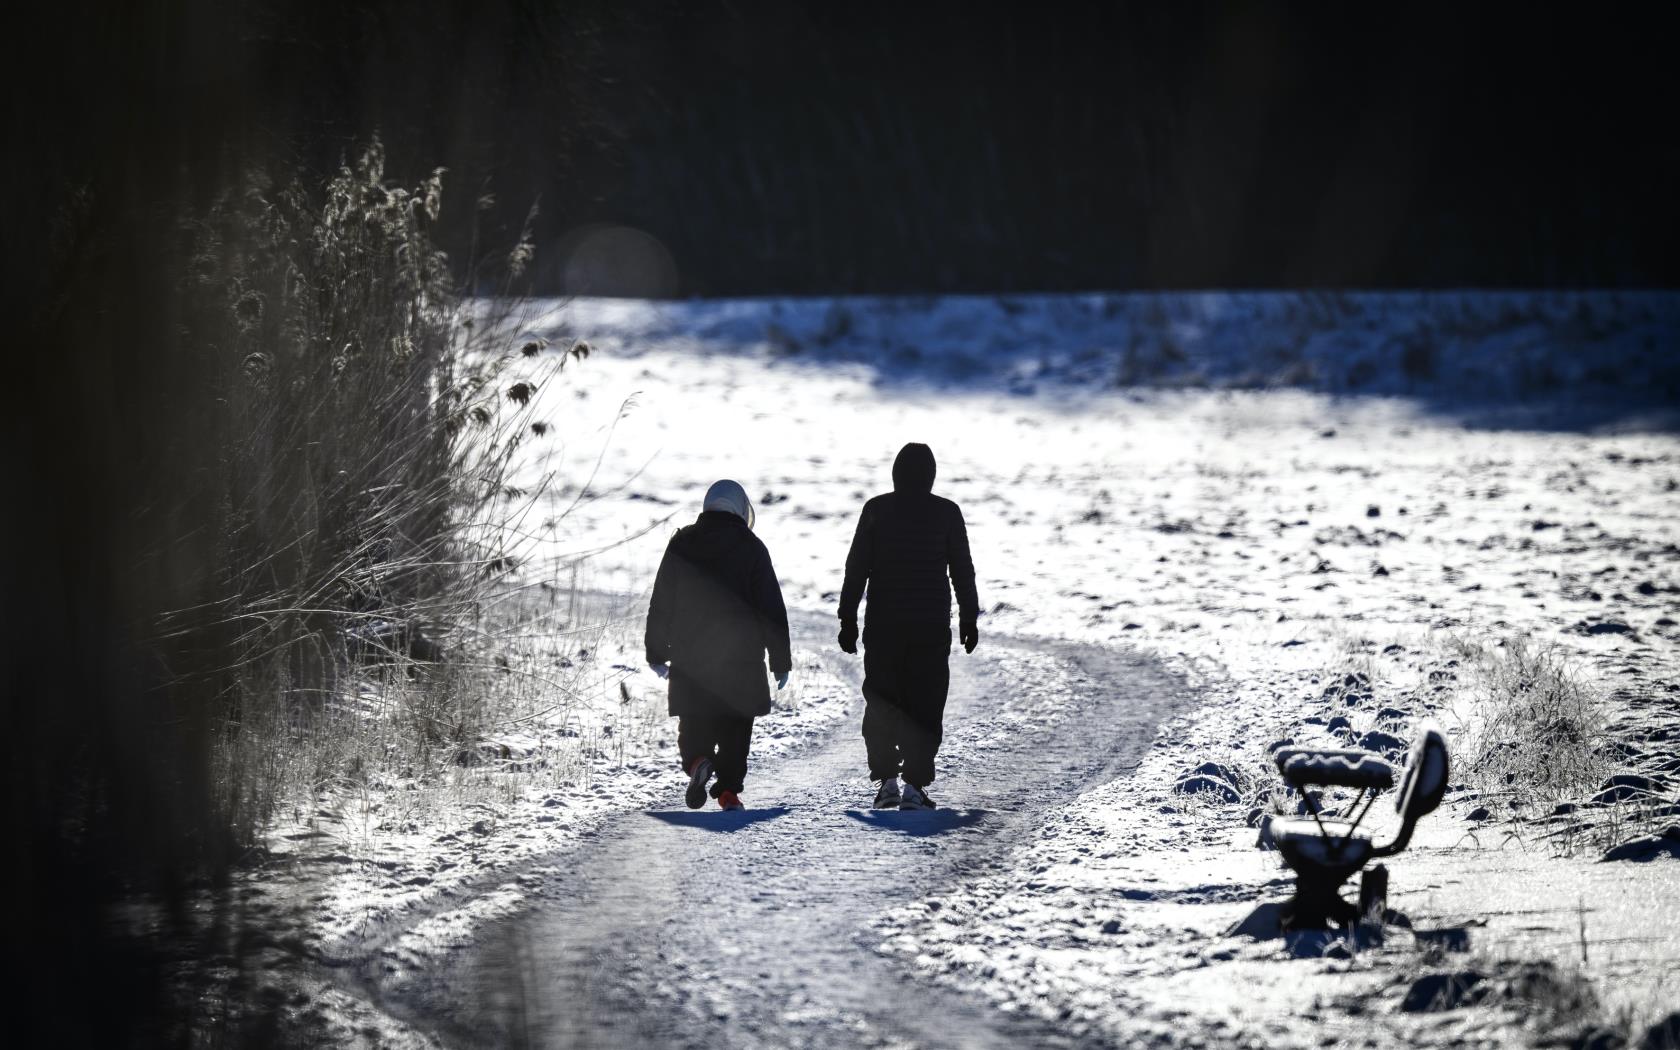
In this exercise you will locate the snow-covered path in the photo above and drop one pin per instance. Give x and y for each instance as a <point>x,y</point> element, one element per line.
<point>705,929</point>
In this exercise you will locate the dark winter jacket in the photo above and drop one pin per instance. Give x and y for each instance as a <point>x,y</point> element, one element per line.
<point>910,549</point>
<point>716,609</point>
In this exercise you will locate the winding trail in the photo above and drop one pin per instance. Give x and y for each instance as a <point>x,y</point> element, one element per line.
<point>680,928</point>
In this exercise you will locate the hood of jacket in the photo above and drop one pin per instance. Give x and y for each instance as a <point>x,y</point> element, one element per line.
<point>914,469</point>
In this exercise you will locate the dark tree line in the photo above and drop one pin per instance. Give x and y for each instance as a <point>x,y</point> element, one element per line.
<point>834,148</point>
<point>872,147</point>
<point>850,148</point>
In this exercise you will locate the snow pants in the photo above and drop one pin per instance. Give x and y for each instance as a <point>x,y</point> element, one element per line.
<point>725,739</point>
<point>906,674</point>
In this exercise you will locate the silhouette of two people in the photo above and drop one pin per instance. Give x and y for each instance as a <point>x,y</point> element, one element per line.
<point>717,611</point>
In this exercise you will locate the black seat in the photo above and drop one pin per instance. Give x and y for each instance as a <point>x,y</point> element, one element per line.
<point>1325,853</point>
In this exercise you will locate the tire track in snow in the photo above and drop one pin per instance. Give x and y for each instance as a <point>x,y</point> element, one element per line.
<point>706,929</point>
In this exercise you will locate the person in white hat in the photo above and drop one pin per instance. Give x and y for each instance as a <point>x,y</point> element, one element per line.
<point>716,611</point>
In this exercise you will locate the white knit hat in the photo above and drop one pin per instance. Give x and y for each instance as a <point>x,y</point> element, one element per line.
<point>730,496</point>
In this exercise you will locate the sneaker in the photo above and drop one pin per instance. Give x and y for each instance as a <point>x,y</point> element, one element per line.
<point>915,798</point>
<point>697,778</point>
<point>729,800</point>
<point>887,797</point>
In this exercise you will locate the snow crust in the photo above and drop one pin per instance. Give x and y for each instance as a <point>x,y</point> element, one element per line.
<point>1265,491</point>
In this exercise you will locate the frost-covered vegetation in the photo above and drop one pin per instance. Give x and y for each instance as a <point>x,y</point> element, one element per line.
<point>1539,731</point>
<point>351,518</point>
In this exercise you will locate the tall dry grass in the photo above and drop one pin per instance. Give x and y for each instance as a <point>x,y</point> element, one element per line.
<point>352,503</point>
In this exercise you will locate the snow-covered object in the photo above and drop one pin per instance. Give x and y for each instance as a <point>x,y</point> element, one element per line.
<point>1355,769</point>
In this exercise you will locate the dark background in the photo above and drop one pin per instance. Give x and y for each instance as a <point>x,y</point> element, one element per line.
<point>857,148</point>
<point>862,147</point>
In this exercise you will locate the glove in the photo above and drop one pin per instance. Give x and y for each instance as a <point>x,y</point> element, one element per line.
<point>969,634</point>
<point>848,636</point>
<point>662,670</point>
<point>781,681</point>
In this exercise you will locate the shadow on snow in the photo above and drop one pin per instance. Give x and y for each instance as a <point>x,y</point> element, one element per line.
<point>1548,360</point>
<point>919,823</point>
<point>716,819</point>
<point>1265,922</point>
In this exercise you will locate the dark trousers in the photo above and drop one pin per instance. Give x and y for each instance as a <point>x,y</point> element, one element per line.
<point>725,739</point>
<point>906,675</point>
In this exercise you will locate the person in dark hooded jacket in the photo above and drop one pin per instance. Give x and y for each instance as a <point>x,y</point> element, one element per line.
<point>909,552</point>
<point>716,610</point>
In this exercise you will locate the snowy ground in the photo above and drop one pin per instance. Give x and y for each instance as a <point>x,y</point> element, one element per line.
<point>405,873</point>
<point>1262,544</point>
<point>683,929</point>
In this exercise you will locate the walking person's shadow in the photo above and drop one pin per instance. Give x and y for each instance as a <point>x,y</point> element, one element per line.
<point>919,823</point>
<point>718,819</point>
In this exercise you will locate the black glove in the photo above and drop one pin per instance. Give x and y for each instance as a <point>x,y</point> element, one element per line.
<point>969,634</point>
<point>848,636</point>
